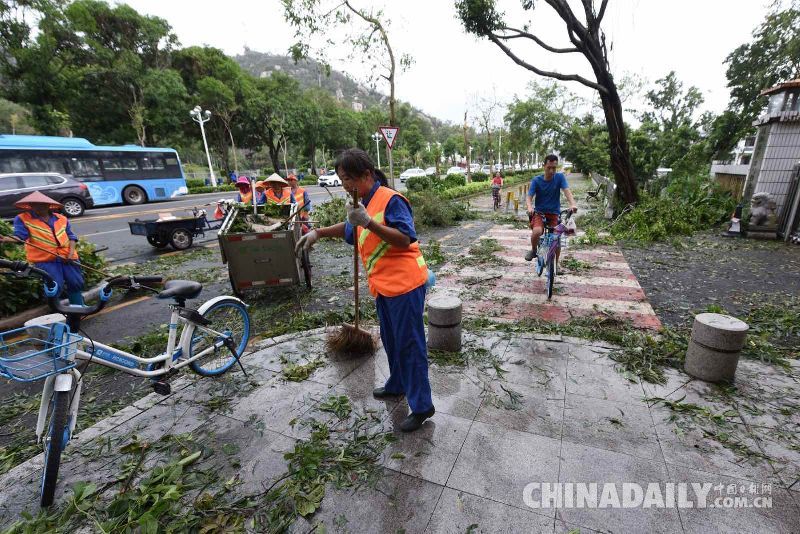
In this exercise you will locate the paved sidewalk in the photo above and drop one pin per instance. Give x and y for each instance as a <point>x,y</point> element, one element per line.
<point>577,420</point>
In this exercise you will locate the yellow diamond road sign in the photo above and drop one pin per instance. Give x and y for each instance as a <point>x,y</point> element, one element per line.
<point>389,134</point>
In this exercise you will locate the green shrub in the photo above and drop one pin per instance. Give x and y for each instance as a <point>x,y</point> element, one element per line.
<point>509,172</point>
<point>23,293</point>
<point>419,183</point>
<point>431,209</point>
<point>454,180</point>
<point>309,179</point>
<point>195,183</point>
<point>686,205</point>
<point>330,212</point>
<point>479,177</point>
<point>209,189</point>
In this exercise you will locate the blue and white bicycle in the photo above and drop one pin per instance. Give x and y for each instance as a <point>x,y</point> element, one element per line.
<point>212,340</point>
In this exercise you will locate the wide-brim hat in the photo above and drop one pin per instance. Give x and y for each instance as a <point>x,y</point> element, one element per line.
<point>274,177</point>
<point>242,180</point>
<point>261,185</point>
<point>291,177</point>
<point>37,198</point>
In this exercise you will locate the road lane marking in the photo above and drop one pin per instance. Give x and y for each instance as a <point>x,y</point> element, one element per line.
<point>106,232</point>
<point>122,305</point>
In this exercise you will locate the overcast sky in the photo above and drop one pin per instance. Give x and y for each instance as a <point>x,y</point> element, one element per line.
<point>649,38</point>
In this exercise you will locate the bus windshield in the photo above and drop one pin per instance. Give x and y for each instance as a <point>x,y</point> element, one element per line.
<point>114,175</point>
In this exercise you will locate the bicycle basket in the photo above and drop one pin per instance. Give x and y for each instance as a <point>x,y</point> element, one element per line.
<point>36,352</point>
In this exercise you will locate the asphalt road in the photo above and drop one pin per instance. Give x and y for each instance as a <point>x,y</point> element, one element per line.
<point>108,226</point>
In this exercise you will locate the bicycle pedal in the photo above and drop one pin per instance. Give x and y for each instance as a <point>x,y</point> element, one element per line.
<point>162,388</point>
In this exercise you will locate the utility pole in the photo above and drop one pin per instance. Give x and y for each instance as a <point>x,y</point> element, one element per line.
<point>467,148</point>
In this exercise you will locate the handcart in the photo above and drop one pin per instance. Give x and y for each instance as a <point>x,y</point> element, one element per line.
<point>266,256</point>
<point>176,231</point>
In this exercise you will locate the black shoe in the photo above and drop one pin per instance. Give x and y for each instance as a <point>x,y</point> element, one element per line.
<point>414,420</point>
<point>381,393</point>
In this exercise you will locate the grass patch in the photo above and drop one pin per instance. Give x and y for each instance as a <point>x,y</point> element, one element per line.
<point>593,238</point>
<point>572,264</point>
<point>296,372</point>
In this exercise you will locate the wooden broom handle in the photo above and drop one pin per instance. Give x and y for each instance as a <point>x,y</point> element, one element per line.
<point>355,262</point>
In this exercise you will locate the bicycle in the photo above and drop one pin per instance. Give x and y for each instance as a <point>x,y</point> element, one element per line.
<point>212,340</point>
<point>549,246</point>
<point>496,198</point>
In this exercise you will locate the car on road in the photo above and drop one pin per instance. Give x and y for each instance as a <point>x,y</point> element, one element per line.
<point>517,167</point>
<point>430,171</point>
<point>330,178</point>
<point>474,167</point>
<point>486,169</point>
<point>74,195</point>
<point>410,173</point>
<point>456,170</point>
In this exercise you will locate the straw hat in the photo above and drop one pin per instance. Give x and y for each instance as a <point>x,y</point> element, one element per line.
<point>37,198</point>
<point>274,177</point>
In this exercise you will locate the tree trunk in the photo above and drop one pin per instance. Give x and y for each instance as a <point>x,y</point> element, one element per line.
<point>314,159</point>
<point>618,145</point>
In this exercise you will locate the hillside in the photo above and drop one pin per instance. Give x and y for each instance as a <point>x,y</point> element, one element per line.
<point>310,73</point>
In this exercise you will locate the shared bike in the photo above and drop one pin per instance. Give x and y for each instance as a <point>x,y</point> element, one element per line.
<point>496,198</point>
<point>212,340</point>
<point>547,253</point>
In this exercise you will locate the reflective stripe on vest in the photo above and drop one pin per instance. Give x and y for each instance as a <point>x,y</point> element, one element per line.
<point>53,239</point>
<point>246,197</point>
<point>273,199</point>
<point>391,271</point>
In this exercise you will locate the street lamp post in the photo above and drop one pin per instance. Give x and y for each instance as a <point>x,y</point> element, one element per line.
<point>377,138</point>
<point>469,163</point>
<point>438,157</point>
<point>201,117</point>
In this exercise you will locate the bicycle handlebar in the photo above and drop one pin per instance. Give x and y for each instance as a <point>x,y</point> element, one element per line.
<point>51,290</point>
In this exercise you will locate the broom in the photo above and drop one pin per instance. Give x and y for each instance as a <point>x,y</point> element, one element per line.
<point>350,338</point>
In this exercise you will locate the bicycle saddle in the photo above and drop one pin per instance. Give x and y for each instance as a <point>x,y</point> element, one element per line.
<point>181,289</point>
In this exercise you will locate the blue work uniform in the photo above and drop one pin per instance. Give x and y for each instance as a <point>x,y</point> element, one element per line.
<point>67,275</point>
<point>400,319</point>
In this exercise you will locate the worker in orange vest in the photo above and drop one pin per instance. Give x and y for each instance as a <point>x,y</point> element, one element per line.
<point>39,225</point>
<point>245,195</point>
<point>300,197</point>
<point>382,227</point>
<point>278,191</point>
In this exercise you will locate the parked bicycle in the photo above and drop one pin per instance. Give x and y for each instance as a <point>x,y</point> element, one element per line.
<point>548,252</point>
<point>212,340</point>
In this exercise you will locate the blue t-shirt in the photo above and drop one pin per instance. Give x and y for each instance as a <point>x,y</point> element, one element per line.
<point>397,215</point>
<point>547,194</point>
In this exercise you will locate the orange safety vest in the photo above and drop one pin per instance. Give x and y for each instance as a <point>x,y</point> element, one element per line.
<point>391,271</point>
<point>53,239</point>
<point>245,197</point>
<point>299,199</point>
<point>286,196</point>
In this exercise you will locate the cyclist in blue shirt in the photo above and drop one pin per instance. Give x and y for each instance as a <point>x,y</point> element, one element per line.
<point>546,189</point>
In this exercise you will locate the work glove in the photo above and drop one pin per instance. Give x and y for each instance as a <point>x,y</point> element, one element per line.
<point>306,243</point>
<point>357,215</point>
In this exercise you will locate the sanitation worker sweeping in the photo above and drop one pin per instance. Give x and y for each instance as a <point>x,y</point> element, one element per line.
<point>381,228</point>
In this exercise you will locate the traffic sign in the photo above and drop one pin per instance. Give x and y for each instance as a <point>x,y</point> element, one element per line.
<point>389,134</point>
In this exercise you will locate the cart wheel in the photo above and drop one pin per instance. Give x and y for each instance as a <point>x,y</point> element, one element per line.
<point>156,242</point>
<point>305,263</point>
<point>181,239</point>
<point>235,289</point>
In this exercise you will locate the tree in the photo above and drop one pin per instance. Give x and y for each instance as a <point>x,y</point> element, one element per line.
<point>317,17</point>
<point>772,57</point>
<point>481,17</point>
<point>586,145</point>
<point>538,122</point>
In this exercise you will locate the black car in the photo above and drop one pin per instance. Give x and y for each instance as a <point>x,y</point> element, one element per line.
<point>72,194</point>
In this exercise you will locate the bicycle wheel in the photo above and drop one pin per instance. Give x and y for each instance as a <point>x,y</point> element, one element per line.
<point>230,317</point>
<point>55,441</point>
<point>551,276</point>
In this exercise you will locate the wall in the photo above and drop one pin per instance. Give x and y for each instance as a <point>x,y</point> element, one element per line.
<point>781,153</point>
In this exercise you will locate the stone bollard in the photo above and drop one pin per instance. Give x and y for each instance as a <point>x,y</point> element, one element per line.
<point>444,323</point>
<point>713,352</point>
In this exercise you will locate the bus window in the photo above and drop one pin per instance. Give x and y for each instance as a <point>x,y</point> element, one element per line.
<point>43,164</point>
<point>8,183</point>
<point>86,170</point>
<point>12,164</point>
<point>120,164</point>
<point>152,162</point>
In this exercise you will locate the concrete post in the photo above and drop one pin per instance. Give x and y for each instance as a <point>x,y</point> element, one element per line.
<point>714,348</point>
<point>444,323</point>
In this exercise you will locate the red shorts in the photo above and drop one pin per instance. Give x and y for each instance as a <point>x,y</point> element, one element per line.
<point>536,220</point>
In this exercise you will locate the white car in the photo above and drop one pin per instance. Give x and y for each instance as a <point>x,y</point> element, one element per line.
<point>517,167</point>
<point>328,179</point>
<point>430,171</point>
<point>456,170</point>
<point>410,173</point>
<point>474,167</point>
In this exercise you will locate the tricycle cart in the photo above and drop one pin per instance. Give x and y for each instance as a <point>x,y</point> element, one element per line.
<point>264,257</point>
<point>176,231</point>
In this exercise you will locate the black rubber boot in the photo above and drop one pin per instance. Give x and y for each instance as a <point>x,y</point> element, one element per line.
<point>381,394</point>
<point>414,420</point>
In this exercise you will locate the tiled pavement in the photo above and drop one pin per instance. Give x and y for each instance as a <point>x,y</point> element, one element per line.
<point>578,421</point>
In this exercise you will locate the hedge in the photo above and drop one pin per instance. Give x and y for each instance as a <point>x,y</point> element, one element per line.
<point>209,189</point>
